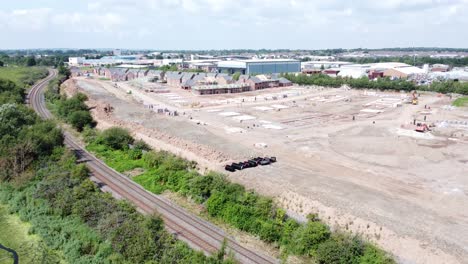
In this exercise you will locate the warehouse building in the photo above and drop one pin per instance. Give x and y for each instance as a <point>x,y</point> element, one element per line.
<point>259,66</point>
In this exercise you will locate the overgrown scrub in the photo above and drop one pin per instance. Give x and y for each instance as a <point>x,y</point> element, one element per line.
<point>23,76</point>
<point>233,204</point>
<point>380,83</point>
<point>72,110</point>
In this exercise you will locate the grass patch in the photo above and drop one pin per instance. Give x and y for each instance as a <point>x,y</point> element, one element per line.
<point>119,160</point>
<point>104,79</point>
<point>23,76</point>
<point>15,235</point>
<point>460,102</point>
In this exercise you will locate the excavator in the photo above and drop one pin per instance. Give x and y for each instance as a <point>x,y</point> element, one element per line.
<point>422,128</point>
<point>415,100</point>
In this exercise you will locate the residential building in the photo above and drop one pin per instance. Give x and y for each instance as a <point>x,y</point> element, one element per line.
<point>220,89</point>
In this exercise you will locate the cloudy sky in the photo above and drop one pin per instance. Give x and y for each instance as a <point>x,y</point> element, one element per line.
<point>228,24</point>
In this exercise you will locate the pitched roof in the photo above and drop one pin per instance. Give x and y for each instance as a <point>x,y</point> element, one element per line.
<point>255,79</point>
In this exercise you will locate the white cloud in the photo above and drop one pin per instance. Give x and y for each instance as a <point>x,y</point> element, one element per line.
<point>249,23</point>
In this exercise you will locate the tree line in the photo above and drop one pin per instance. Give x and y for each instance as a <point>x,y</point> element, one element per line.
<point>379,84</point>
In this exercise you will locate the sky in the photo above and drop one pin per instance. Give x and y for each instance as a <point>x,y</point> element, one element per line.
<point>233,24</point>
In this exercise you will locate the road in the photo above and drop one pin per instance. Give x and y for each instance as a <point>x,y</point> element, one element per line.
<point>198,233</point>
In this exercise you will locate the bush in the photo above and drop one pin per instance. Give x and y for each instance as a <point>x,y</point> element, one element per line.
<point>115,138</point>
<point>80,119</point>
<point>340,249</point>
<point>373,255</point>
<point>308,237</point>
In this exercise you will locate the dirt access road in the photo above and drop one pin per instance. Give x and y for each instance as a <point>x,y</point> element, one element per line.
<point>404,190</point>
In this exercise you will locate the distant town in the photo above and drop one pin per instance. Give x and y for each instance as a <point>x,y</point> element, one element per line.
<point>219,72</point>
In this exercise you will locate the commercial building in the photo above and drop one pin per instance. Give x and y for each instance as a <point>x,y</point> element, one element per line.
<point>75,61</point>
<point>312,65</point>
<point>259,66</point>
<point>403,72</point>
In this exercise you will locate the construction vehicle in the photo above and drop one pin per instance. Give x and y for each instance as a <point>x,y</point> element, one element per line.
<point>108,109</point>
<point>415,100</point>
<point>422,128</point>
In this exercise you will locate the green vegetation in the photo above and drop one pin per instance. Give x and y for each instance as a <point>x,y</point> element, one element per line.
<point>446,87</point>
<point>23,76</point>
<point>380,84</point>
<point>72,110</point>
<point>236,76</point>
<point>41,182</point>
<point>15,235</point>
<point>460,102</point>
<point>229,202</point>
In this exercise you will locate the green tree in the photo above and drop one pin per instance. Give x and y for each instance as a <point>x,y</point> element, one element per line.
<point>236,76</point>
<point>30,61</point>
<point>80,119</point>
<point>13,117</point>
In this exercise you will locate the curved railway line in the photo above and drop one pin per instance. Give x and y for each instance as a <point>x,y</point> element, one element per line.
<point>198,233</point>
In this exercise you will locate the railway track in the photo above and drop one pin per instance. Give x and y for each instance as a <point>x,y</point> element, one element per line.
<point>198,233</point>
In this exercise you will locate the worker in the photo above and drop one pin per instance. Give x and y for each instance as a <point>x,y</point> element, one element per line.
<point>414,122</point>
<point>425,118</point>
<point>425,106</point>
<point>354,118</point>
<point>373,122</point>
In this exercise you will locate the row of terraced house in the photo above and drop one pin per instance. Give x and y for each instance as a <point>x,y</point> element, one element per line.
<point>219,83</point>
<point>123,74</point>
<point>199,83</point>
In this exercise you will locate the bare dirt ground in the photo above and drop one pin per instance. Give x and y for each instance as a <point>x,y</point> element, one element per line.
<point>404,190</point>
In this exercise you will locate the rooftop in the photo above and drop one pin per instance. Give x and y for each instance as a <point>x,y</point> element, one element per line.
<point>214,87</point>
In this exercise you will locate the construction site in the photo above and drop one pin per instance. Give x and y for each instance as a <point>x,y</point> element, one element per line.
<point>392,166</point>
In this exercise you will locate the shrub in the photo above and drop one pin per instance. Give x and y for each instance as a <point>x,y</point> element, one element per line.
<point>115,138</point>
<point>80,119</point>
<point>308,237</point>
<point>373,255</point>
<point>340,249</point>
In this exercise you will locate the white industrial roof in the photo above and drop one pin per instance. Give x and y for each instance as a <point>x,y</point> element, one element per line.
<point>353,73</point>
<point>410,70</point>
<point>387,65</point>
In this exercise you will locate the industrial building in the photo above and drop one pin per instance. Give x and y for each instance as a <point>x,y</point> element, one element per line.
<point>259,66</point>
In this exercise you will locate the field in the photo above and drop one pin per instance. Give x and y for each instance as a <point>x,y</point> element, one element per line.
<point>23,76</point>
<point>14,235</point>
<point>352,156</point>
